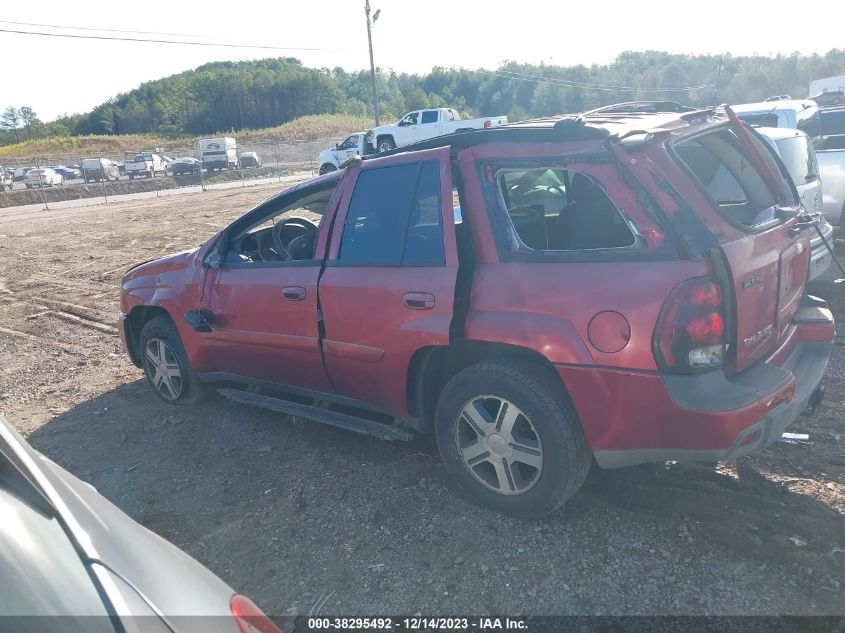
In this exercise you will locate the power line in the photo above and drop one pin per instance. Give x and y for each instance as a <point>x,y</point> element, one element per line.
<point>90,28</point>
<point>155,41</point>
<point>507,74</point>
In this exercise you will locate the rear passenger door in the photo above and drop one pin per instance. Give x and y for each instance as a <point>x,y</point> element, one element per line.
<point>430,125</point>
<point>389,282</point>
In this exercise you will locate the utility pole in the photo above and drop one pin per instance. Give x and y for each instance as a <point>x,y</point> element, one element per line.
<point>716,85</point>
<point>372,64</point>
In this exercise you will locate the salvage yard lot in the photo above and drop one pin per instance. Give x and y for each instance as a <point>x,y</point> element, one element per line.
<point>303,517</point>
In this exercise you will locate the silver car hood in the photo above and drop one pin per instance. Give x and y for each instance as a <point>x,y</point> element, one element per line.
<point>169,581</point>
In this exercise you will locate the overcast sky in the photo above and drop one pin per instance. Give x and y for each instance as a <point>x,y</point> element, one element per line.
<point>59,75</point>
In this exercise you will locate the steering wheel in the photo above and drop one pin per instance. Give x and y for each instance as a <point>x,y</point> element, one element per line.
<point>305,226</point>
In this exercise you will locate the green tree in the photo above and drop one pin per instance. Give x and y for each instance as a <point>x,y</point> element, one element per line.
<point>10,120</point>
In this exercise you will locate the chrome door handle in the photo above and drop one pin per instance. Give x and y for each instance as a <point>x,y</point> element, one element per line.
<point>294,293</point>
<point>418,300</point>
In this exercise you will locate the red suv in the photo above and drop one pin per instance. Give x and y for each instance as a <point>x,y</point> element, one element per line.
<point>623,286</point>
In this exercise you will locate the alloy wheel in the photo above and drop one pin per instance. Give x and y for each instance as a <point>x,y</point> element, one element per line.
<point>499,445</point>
<point>163,368</point>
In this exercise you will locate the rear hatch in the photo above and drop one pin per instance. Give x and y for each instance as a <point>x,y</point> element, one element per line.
<point>768,263</point>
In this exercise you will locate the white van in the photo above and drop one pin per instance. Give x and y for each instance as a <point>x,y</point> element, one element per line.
<point>798,114</point>
<point>798,156</point>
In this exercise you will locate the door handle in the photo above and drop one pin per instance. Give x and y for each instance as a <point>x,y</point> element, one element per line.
<point>418,300</point>
<point>294,293</point>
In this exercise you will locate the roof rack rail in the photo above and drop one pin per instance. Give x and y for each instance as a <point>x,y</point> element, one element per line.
<point>640,107</point>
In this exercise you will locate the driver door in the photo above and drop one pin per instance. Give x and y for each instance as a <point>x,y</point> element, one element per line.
<point>264,313</point>
<point>408,130</point>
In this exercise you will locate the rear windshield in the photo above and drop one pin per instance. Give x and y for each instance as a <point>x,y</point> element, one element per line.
<point>799,158</point>
<point>812,125</point>
<point>724,169</point>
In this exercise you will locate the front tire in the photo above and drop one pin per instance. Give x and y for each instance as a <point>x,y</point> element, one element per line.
<point>510,438</point>
<point>166,365</point>
<point>326,168</point>
<point>386,144</point>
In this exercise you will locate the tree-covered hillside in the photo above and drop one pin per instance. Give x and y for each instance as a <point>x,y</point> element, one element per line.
<point>238,95</point>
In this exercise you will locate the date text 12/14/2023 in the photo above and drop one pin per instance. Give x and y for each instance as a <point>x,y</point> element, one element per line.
<point>417,623</point>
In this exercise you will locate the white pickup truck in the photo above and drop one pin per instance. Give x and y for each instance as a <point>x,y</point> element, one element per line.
<point>354,145</point>
<point>144,165</point>
<point>421,125</point>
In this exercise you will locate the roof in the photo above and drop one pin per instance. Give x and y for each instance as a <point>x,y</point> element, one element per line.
<point>779,133</point>
<point>611,122</point>
<point>769,106</point>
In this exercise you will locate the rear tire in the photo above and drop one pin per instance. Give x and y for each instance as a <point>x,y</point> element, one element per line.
<point>166,365</point>
<point>526,459</point>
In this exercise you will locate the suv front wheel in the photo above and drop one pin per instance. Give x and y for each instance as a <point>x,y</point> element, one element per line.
<point>166,364</point>
<point>509,437</point>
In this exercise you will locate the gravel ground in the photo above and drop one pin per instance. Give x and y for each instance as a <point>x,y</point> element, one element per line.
<point>305,518</point>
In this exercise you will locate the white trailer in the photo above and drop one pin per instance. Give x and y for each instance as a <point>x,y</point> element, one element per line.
<point>219,153</point>
<point>827,84</point>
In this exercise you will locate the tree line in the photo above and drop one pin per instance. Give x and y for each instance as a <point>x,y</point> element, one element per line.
<point>230,96</point>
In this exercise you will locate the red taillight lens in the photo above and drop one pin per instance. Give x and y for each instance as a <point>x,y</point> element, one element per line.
<point>707,330</point>
<point>249,618</point>
<point>690,334</point>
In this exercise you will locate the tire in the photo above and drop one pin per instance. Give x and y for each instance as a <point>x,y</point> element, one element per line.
<point>327,168</point>
<point>545,425</point>
<point>131,176</point>
<point>177,383</point>
<point>386,144</point>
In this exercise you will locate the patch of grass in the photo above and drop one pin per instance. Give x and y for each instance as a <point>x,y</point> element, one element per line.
<point>304,128</point>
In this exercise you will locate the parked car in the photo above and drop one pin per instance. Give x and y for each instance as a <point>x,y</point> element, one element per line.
<point>797,114</point>
<point>184,166</point>
<point>71,557</point>
<point>830,152</point>
<point>249,160</point>
<point>357,144</point>
<point>20,173</point>
<point>581,304</point>
<point>5,179</point>
<point>44,177</point>
<point>420,125</point>
<point>144,165</point>
<point>779,98</point>
<point>68,173</point>
<point>796,151</point>
<point>829,98</point>
<point>99,169</point>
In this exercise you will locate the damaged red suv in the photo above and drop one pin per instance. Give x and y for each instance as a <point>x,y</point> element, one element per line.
<point>623,286</point>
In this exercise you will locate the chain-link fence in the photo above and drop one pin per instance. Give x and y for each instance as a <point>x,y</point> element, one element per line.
<point>79,174</point>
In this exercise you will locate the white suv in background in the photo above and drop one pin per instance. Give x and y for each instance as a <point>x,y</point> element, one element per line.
<point>796,151</point>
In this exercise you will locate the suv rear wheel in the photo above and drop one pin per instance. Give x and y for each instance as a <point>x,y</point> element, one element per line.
<point>510,439</point>
<point>166,365</point>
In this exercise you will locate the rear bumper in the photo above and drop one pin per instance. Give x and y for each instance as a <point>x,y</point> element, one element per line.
<point>634,418</point>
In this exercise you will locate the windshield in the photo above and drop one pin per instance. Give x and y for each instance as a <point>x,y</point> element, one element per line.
<point>799,158</point>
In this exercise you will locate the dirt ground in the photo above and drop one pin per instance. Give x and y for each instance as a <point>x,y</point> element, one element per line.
<point>305,518</point>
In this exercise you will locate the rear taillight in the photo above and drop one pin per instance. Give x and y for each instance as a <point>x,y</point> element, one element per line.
<point>249,618</point>
<point>488,123</point>
<point>690,333</point>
